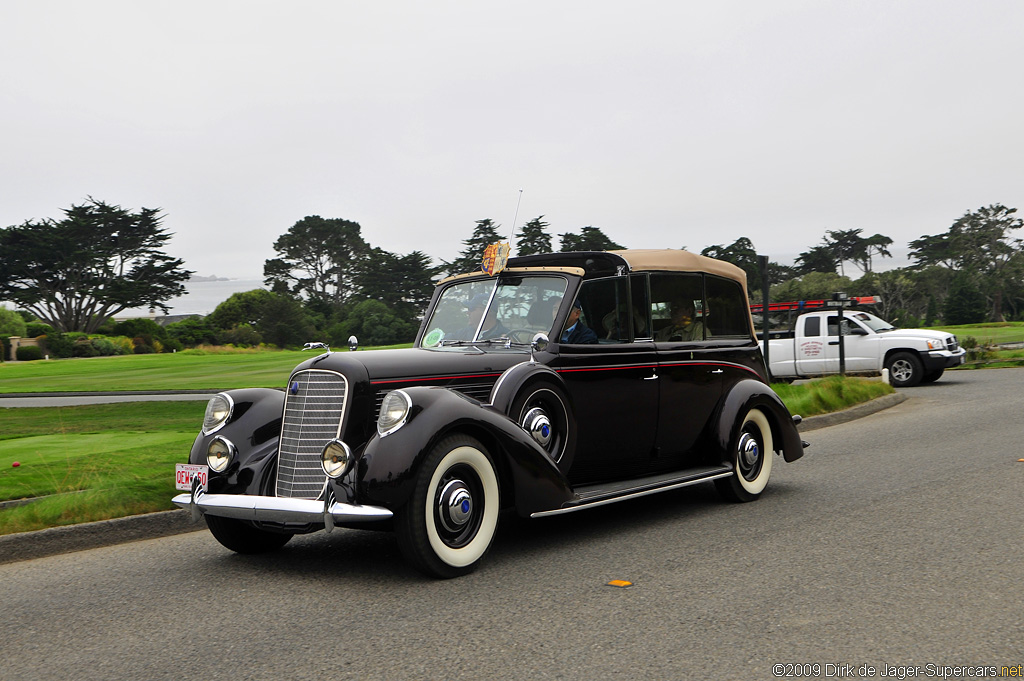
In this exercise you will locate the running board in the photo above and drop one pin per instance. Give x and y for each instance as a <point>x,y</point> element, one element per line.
<point>589,496</point>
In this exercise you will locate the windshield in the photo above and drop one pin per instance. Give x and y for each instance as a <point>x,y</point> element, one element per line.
<point>874,323</point>
<point>509,307</point>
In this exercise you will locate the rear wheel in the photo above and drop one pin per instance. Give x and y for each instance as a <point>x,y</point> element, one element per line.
<point>751,458</point>
<point>905,370</point>
<point>448,524</point>
<point>243,537</point>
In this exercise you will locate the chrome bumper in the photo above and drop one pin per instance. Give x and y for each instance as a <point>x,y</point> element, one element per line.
<point>277,509</point>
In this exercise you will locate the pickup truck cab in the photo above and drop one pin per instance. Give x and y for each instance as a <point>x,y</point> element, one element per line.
<point>911,356</point>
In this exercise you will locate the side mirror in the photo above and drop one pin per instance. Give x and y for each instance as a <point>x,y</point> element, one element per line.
<point>540,342</point>
<point>353,343</point>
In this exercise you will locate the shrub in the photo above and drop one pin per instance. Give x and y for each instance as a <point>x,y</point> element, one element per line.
<point>84,348</point>
<point>140,327</point>
<point>105,346</point>
<point>58,344</point>
<point>37,329</point>
<point>5,348</point>
<point>144,349</point>
<point>242,335</point>
<point>29,353</point>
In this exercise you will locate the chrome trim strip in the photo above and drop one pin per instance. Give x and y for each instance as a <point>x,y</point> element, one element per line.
<point>277,509</point>
<point>634,495</point>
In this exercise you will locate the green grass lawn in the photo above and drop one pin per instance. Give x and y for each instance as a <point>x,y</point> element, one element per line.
<point>987,334</point>
<point>187,370</point>
<point>104,461</point>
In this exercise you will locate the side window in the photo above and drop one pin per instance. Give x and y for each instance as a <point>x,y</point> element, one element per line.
<point>606,309</point>
<point>677,307</point>
<point>812,326</point>
<point>726,314</point>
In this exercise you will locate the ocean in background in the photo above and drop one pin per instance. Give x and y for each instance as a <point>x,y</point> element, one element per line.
<point>202,298</point>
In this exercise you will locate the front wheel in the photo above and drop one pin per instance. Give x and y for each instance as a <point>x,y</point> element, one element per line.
<point>905,370</point>
<point>243,537</point>
<point>933,376</point>
<point>751,458</point>
<point>448,524</point>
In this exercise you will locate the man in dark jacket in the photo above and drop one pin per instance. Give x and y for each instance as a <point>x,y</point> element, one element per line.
<point>575,331</point>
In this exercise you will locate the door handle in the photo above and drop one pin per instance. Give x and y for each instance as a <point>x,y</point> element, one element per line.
<point>718,371</point>
<point>833,342</point>
<point>653,377</point>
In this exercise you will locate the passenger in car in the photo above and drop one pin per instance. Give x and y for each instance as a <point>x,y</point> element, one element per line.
<point>576,331</point>
<point>474,310</point>
<point>683,327</point>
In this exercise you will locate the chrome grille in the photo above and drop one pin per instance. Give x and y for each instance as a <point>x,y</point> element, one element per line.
<point>313,409</point>
<point>951,344</point>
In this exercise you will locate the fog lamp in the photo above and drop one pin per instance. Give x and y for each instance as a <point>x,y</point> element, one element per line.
<point>220,453</point>
<point>335,458</point>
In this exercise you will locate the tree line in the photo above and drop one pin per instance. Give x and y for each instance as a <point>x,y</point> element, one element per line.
<point>326,281</point>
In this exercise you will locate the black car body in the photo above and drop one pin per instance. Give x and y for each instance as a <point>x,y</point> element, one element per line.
<point>492,410</point>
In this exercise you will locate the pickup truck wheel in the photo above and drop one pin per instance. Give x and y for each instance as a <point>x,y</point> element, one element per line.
<point>448,524</point>
<point>905,370</point>
<point>933,376</point>
<point>751,458</point>
<point>243,537</point>
<point>542,409</point>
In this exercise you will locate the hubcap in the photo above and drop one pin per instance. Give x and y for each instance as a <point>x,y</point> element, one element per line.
<point>749,455</point>
<point>538,425</point>
<point>901,370</point>
<point>455,506</point>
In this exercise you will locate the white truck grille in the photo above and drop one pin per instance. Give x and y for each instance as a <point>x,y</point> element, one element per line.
<point>314,407</point>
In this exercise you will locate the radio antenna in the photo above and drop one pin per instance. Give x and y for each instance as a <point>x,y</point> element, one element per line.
<point>515,218</point>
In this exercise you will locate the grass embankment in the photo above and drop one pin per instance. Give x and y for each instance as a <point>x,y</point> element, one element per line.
<point>833,393</point>
<point>96,462</point>
<point>92,462</point>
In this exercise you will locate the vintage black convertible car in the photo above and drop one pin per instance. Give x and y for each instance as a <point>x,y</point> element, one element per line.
<point>658,383</point>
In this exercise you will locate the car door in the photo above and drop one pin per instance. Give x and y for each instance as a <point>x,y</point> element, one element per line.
<point>689,376</point>
<point>860,346</point>
<point>612,384</point>
<point>811,346</point>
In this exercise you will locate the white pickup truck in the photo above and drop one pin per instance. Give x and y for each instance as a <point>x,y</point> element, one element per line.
<point>871,344</point>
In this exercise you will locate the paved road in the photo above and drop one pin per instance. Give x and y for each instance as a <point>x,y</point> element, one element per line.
<point>896,541</point>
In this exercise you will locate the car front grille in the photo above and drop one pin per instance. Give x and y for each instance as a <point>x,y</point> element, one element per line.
<point>314,407</point>
<point>951,344</point>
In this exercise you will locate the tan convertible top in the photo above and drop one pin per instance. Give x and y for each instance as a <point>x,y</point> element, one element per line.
<point>674,260</point>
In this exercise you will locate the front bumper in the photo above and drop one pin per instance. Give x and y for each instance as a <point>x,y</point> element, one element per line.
<point>277,509</point>
<point>943,359</point>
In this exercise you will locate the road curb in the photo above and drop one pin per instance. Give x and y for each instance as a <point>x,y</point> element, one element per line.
<point>49,542</point>
<point>69,538</point>
<point>853,413</point>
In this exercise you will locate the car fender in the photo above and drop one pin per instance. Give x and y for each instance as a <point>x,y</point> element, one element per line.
<point>387,470</point>
<point>508,385</point>
<point>750,394</point>
<point>254,428</point>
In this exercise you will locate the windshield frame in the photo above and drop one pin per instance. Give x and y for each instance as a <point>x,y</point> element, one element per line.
<point>455,291</point>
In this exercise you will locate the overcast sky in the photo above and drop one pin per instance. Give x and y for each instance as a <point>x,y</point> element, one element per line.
<point>666,124</point>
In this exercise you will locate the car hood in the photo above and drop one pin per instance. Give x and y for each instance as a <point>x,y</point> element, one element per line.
<point>422,366</point>
<point>923,334</point>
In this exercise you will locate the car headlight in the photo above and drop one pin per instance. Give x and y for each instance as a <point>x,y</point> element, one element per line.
<point>219,454</point>
<point>394,412</point>
<point>335,458</point>
<point>218,411</point>
<point>935,345</point>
